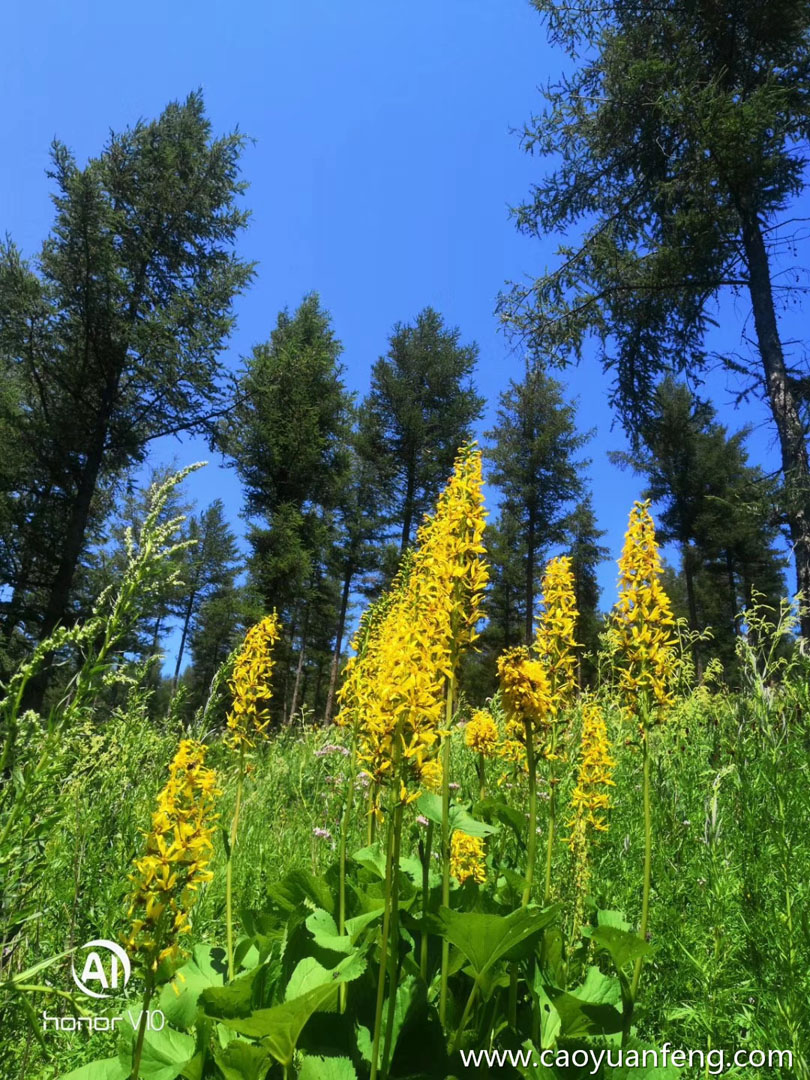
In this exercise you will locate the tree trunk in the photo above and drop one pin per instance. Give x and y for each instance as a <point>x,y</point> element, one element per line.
<point>284,661</point>
<point>689,574</point>
<point>298,673</point>
<point>341,626</point>
<point>72,545</point>
<point>186,620</point>
<point>407,509</point>
<point>795,464</point>
<point>732,593</point>
<point>530,578</point>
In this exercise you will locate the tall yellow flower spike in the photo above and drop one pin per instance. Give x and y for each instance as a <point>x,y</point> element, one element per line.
<point>525,691</point>
<point>251,684</point>
<point>644,645</point>
<point>179,846</point>
<point>394,692</point>
<point>467,858</point>
<point>555,642</point>
<point>590,799</point>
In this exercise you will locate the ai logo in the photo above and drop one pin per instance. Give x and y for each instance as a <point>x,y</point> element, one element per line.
<point>95,971</point>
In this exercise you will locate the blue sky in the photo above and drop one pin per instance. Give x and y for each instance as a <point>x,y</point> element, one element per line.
<point>381,173</point>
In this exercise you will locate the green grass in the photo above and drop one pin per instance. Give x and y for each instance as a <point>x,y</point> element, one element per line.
<point>730,960</point>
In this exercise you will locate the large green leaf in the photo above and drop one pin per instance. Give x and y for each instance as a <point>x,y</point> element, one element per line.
<point>503,812</point>
<point>327,1068</point>
<point>108,1069</point>
<point>431,806</point>
<point>265,929</point>
<point>167,1054</point>
<point>372,858</point>
<point>550,1022</point>
<point>593,1009</point>
<point>178,999</point>
<point>623,945</point>
<point>300,889</point>
<point>309,973</point>
<point>241,1060</point>
<point>485,939</point>
<point>235,1000</point>
<point>325,932</point>
<point>281,1025</point>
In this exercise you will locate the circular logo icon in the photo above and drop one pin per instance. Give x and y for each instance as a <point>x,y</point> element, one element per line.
<point>106,964</point>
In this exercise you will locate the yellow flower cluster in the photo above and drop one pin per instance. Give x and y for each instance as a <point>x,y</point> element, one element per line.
<point>394,692</point>
<point>528,701</point>
<point>525,688</point>
<point>250,684</point>
<point>178,850</point>
<point>481,734</point>
<point>467,858</point>
<point>641,636</point>
<point>555,642</point>
<point>589,800</point>
<point>359,675</point>
<point>590,797</point>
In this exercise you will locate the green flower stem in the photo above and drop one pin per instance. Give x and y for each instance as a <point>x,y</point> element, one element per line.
<point>552,817</point>
<point>423,958</point>
<point>371,820</point>
<point>229,865</point>
<point>645,900</point>
<point>348,804</point>
<point>386,927</point>
<point>465,1016</point>
<point>393,948</point>
<point>532,846</point>
<point>138,1051</point>
<point>446,844</point>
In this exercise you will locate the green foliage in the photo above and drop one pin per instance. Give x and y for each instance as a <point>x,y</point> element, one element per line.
<point>113,338</point>
<point>533,457</point>
<point>715,506</point>
<point>419,411</point>
<point>678,144</point>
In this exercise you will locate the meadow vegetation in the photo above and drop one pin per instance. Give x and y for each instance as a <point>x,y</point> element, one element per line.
<point>431,874</point>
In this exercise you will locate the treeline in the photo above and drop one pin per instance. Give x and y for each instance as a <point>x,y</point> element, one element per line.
<point>114,336</point>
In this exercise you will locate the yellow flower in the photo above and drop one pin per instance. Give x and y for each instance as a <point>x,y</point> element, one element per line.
<point>642,619</point>
<point>555,642</point>
<point>467,858</point>
<point>525,689</point>
<point>590,798</point>
<point>514,751</point>
<point>250,684</point>
<point>409,645</point>
<point>481,733</point>
<point>431,774</point>
<point>179,847</point>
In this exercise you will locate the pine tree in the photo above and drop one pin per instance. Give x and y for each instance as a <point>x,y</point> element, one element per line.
<point>114,336</point>
<point>713,504</point>
<point>586,554</point>
<point>287,437</point>
<point>680,139</point>
<point>208,569</point>
<point>421,408</point>
<point>535,441</point>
